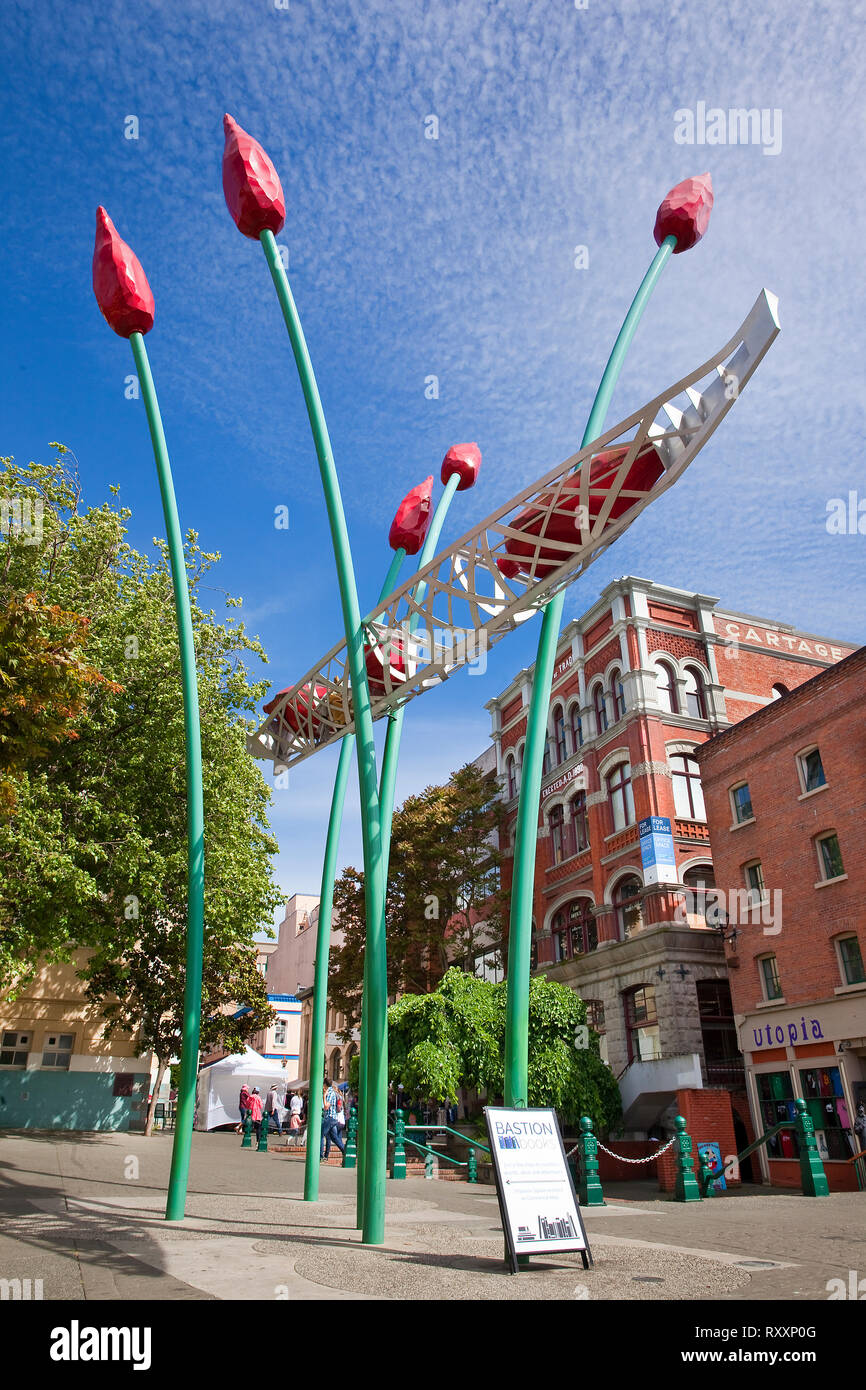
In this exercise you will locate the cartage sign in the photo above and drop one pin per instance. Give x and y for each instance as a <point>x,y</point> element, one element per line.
<point>533,1182</point>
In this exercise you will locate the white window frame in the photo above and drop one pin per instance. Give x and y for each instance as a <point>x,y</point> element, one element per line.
<point>17,1047</point>
<point>801,771</point>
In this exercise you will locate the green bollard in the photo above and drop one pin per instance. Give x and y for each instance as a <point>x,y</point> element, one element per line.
<point>262,1146</point>
<point>471,1166</point>
<point>812,1174</point>
<point>350,1157</point>
<point>589,1189</point>
<point>686,1187</point>
<point>247,1142</point>
<point>398,1161</point>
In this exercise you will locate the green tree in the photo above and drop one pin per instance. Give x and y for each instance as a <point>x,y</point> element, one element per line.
<point>138,995</point>
<point>444,899</point>
<point>94,855</point>
<point>455,1037</point>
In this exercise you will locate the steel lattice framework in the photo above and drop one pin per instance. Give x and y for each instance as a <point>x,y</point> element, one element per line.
<point>550,533</point>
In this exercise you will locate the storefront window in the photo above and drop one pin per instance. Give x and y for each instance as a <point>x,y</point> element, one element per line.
<point>776,1099</point>
<point>822,1089</point>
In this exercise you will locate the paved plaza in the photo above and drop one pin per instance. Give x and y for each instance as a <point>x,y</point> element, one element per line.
<point>84,1213</point>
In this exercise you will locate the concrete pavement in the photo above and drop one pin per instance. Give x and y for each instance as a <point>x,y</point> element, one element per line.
<point>84,1213</point>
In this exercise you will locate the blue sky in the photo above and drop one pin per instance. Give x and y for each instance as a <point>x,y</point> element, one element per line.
<point>411,257</point>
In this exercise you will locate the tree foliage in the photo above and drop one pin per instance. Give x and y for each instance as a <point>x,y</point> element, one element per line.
<point>94,854</point>
<point>444,899</point>
<point>455,1037</point>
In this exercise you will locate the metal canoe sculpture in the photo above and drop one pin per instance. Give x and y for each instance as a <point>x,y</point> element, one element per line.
<point>497,575</point>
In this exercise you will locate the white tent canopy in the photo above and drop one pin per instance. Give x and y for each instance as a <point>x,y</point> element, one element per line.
<point>219,1086</point>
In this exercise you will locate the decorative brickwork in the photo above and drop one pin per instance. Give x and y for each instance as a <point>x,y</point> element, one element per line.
<point>678,646</point>
<point>596,664</point>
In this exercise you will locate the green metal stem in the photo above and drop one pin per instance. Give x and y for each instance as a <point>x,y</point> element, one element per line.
<point>526,841</point>
<point>180,1154</point>
<point>377,1153</point>
<point>323,940</point>
<point>388,778</point>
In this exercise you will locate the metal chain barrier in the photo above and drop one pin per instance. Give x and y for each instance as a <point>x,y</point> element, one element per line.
<point>651,1158</point>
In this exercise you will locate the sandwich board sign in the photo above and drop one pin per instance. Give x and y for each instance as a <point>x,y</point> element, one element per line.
<point>537,1201</point>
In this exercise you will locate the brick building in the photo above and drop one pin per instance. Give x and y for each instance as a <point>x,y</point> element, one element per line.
<point>785,793</point>
<point>641,680</point>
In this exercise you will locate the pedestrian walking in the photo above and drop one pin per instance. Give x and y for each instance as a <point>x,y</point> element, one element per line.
<point>330,1128</point>
<point>256,1109</point>
<point>860,1127</point>
<point>273,1109</point>
<point>296,1105</point>
<point>244,1104</point>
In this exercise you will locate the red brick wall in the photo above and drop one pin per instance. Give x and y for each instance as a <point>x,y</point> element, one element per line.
<point>709,1119</point>
<point>673,617</point>
<point>678,646</point>
<point>611,651</point>
<point>596,632</point>
<point>762,750</point>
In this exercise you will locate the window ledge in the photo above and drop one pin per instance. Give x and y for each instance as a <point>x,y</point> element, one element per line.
<point>825,882</point>
<point>770,1003</point>
<point>738,825</point>
<point>804,796</point>
<point>851,989</point>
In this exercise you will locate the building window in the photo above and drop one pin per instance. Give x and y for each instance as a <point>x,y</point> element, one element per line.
<point>280,1032</point>
<point>546,765</point>
<point>770,977</point>
<point>666,688</point>
<point>851,960</point>
<point>600,710</point>
<point>754,874</point>
<point>576,729</point>
<point>559,734</point>
<point>641,1023</point>
<point>741,802</point>
<point>14,1049</point>
<point>555,821</point>
<point>619,795</point>
<point>722,1056</point>
<point>580,822</point>
<point>696,704</point>
<point>57,1050</point>
<point>574,930</point>
<point>778,691</point>
<point>776,1099</point>
<point>825,1101</point>
<point>830,857</point>
<point>688,796</point>
<point>811,770</point>
<point>509,774</point>
<point>595,1014</point>
<point>627,905</point>
<point>617,695</point>
<point>701,883</point>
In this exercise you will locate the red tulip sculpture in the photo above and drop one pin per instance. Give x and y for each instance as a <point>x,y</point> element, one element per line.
<point>119,283</point>
<point>251,184</point>
<point>684,213</point>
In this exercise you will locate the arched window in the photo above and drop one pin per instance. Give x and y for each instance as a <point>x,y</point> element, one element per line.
<point>555,822</point>
<point>696,703</point>
<point>509,774</point>
<point>688,795</point>
<point>559,734</point>
<point>574,930</point>
<point>619,795</point>
<point>626,899</point>
<point>642,1024</point>
<point>576,729</point>
<point>600,711</point>
<point>666,688</point>
<point>778,691</point>
<point>617,695</point>
<point>703,908</point>
<point>579,822</point>
<point>546,764</point>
